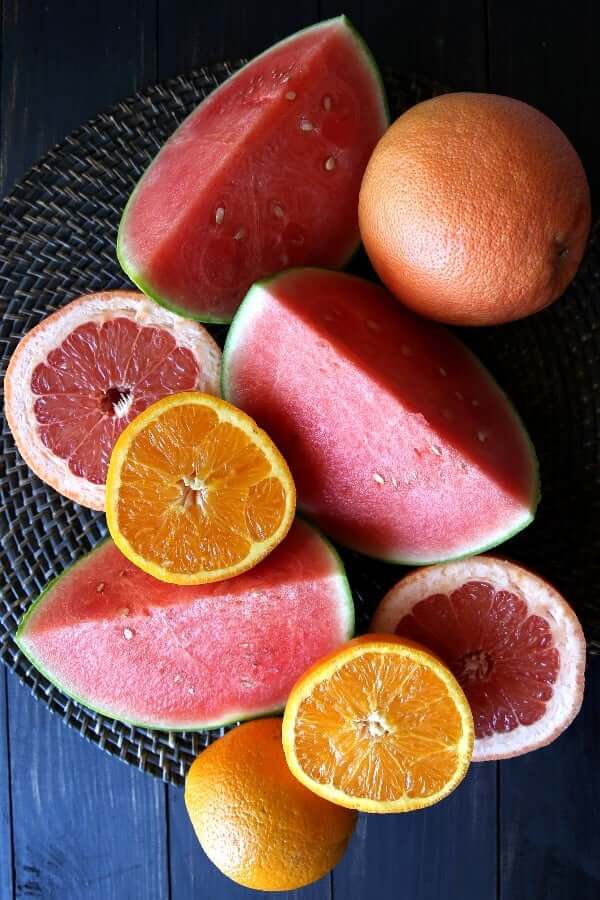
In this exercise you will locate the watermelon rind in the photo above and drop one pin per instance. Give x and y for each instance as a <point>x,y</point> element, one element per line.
<point>345,608</point>
<point>250,307</point>
<point>139,282</point>
<point>128,267</point>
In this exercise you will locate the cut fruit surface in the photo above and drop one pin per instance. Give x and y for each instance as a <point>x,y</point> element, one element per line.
<point>401,444</point>
<point>264,174</point>
<point>196,492</point>
<point>514,644</point>
<point>189,657</point>
<point>79,377</point>
<point>380,725</point>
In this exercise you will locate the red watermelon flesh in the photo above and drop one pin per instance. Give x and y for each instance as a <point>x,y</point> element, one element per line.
<point>400,443</point>
<point>177,657</point>
<point>264,174</point>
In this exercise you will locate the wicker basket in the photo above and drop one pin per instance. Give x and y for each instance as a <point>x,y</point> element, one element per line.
<point>57,238</point>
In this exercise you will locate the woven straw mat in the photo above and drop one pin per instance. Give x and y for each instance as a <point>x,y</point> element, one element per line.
<point>57,240</point>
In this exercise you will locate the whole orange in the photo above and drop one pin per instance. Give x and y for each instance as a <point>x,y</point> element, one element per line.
<point>475,209</point>
<point>254,820</point>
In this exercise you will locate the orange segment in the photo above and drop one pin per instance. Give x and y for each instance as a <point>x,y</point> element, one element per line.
<point>380,725</point>
<point>196,492</point>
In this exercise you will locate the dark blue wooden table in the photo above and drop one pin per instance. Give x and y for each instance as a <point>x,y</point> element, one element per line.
<point>76,824</point>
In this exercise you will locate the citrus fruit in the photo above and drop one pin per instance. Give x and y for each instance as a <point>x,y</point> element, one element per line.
<point>196,492</point>
<point>254,820</point>
<point>514,644</point>
<point>79,377</point>
<point>475,209</point>
<point>380,725</point>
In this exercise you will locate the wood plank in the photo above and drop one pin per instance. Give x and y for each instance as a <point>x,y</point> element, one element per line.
<point>191,34</point>
<point>6,855</point>
<point>548,58</point>
<point>549,843</point>
<point>430,39</point>
<point>549,801</point>
<point>448,850</point>
<point>63,61</point>
<point>86,826</point>
<point>193,875</point>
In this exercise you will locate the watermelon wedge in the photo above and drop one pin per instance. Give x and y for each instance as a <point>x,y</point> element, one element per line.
<point>400,443</point>
<point>185,658</point>
<point>264,174</point>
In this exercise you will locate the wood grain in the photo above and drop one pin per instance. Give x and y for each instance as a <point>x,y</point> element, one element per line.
<point>6,855</point>
<point>549,839</point>
<point>193,875</point>
<point>63,61</point>
<point>86,826</point>
<point>436,39</point>
<point>549,801</point>
<point>546,54</point>
<point>191,34</point>
<point>447,851</point>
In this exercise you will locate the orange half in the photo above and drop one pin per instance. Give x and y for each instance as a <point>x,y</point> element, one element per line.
<point>196,491</point>
<point>380,725</point>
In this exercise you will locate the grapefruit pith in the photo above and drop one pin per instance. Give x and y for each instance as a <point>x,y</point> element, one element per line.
<point>512,641</point>
<point>79,377</point>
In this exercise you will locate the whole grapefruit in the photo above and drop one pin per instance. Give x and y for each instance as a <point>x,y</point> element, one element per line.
<point>475,209</point>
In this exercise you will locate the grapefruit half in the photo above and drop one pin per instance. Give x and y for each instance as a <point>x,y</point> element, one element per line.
<point>512,641</point>
<point>79,377</point>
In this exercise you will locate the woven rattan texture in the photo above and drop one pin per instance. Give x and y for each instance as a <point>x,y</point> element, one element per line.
<point>57,237</point>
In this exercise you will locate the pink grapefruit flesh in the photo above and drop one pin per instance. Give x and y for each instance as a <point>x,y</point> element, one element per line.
<point>512,641</point>
<point>174,657</point>
<point>86,371</point>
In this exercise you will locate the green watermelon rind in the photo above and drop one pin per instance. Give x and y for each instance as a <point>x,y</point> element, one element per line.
<point>345,607</point>
<point>235,337</point>
<point>128,268</point>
